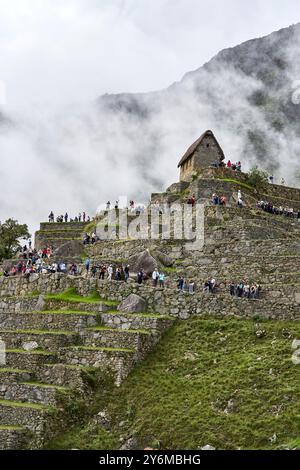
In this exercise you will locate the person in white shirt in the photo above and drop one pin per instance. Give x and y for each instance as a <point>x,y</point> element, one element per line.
<point>155,277</point>
<point>110,272</point>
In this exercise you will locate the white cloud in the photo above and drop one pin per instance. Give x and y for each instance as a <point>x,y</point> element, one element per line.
<point>56,56</point>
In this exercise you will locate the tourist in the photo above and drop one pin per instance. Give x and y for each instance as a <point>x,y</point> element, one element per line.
<point>87,265</point>
<point>73,269</point>
<point>232,288</point>
<point>66,217</point>
<point>191,287</point>
<point>180,283</point>
<point>240,203</point>
<point>140,276</point>
<point>103,271</point>
<point>118,275</point>
<point>161,280</point>
<point>126,273</point>
<point>155,277</point>
<point>212,285</point>
<point>110,272</point>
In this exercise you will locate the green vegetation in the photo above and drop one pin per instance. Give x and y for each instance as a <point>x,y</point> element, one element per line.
<point>257,178</point>
<point>43,385</point>
<point>117,331</point>
<point>5,370</point>
<point>21,404</point>
<point>94,348</point>
<point>210,381</point>
<point>11,428</point>
<point>11,233</point>
<point>63,312</point>
<point>237,182</point>
<point>37,351</point>
<point>39,332</point>
<point>72,296</point>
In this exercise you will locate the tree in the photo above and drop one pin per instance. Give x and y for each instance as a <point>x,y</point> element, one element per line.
<point>257,178</point>
<point>11,232</point>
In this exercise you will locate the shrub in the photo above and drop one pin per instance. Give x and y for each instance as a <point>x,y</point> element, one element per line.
<point>256,177</point>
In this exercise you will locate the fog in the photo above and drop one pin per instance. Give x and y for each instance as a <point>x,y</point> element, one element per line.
<point>62,149</point>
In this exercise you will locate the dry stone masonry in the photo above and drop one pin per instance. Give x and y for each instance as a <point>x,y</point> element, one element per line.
<point>54,343</point>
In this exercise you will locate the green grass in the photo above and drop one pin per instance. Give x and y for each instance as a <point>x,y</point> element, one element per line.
<point>6,370</point>
<point>93,348</point>
<point>11,428</point>
<point>21,404</point>
<point>137,314</point>
<point>63,312</point>
<point>46,386</point>
<point>117,331</point>
<point>239,183</point>
<point>39,332</point>
<point>170,270</point>
<point>37,352</point>
<point>179,395</point>
<point>72,296</point>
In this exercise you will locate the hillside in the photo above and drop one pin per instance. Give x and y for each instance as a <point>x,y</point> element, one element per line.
<point>210,381</point>
<point>98,362</point>
<point>245,93</point>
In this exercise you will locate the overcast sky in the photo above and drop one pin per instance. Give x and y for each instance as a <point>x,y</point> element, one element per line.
<point>56,52</point>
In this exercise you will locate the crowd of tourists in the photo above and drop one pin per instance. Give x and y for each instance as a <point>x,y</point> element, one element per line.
<point>218,200</point>
<point>132,207</point>
<point>90,238</point>
<point>39,266</point>
<point>81,217</point>
<point>245,289</point>
<point>186,285</point>
<point>230,165</point>
<point>107,271</point>
<point>278,210</point>
<point>30,253</point>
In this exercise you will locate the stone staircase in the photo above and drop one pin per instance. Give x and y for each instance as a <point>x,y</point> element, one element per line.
<point>37,385</point>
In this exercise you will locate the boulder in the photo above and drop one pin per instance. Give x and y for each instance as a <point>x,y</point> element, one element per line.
<point>164,259</point>
<point>69,249</point>
<point>133,303</point>
<point>143,261</point>
<point>130,444</point>
<point>30,346</point>
<point>40,303</point>
<point>208,447</point>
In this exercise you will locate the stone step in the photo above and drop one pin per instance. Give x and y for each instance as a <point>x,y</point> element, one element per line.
<point>33,416</point>
<point>118,360</point>
<point>13,437</point>
<point>133,321</point>
<point>256,247</point>
<point>58,226</point>
<point>45,339</point>
<point>112,337</point>
<point>46,320</point>
<point>31,360</point>
<point>13,375</point>
<point>33,392</point>
<point>74,376</point>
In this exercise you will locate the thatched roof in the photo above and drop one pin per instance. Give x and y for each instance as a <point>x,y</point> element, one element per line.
<point>194,146</point>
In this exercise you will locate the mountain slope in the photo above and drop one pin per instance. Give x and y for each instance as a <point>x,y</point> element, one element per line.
<point>245,94</point>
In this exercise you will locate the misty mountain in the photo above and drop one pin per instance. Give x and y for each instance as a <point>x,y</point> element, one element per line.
<point>244,94</point>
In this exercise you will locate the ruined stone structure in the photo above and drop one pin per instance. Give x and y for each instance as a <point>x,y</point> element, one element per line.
<point>204,152</point>
<point>56,347</point>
